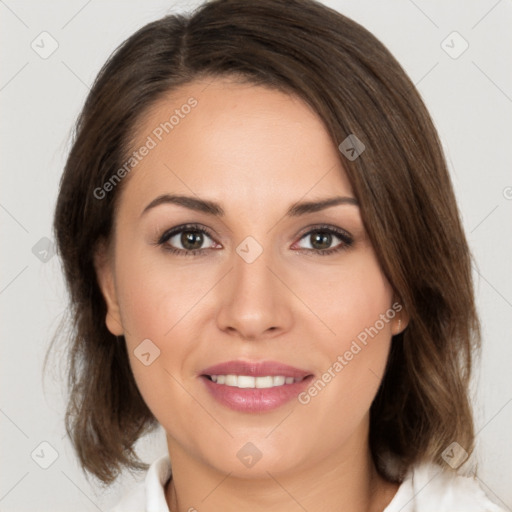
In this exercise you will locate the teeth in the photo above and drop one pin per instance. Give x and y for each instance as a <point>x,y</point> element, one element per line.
<point>247,381</point>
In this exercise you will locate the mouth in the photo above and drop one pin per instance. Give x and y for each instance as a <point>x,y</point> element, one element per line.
<point>254,386</point>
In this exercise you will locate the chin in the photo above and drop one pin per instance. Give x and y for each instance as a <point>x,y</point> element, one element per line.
<point>247,459</point>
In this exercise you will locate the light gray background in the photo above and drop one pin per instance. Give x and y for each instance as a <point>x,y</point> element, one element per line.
<point>470,100</point>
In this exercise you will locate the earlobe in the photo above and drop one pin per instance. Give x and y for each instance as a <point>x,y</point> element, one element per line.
<point>401,320</point>
<point>104,267</point>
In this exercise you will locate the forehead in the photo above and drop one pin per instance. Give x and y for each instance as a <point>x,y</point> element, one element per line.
<point>234,142</point>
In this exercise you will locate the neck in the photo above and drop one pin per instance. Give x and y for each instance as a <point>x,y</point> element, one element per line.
<point>346,479</point>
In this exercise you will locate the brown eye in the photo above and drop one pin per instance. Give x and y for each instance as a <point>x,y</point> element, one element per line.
<point>321,239</point>
<point>187,240</point>
<point>191,240</point>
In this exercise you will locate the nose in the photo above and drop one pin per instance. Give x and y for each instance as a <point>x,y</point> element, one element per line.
<point>254,302</point>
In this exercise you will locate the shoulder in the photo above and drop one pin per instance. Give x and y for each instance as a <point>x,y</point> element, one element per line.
<point>148,495</point>
<point>429,488</point>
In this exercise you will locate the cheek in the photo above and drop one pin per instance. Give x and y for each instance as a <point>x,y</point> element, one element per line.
<point>155,297</point>
<point>365,323</point>
<point>349,298</point>
<point>151,302</point>
<point>358,310</point>
<point>162,303</point>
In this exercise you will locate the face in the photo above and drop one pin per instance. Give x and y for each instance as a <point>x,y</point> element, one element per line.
<point>246,281</point>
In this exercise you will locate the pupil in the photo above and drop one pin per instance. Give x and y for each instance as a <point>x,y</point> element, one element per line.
<point>191,240</point>
<point>323,240</point>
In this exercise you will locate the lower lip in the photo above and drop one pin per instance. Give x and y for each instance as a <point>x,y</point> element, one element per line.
<point>255,399</point>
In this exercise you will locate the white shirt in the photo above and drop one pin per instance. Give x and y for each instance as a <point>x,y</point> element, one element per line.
<point>426,488</point>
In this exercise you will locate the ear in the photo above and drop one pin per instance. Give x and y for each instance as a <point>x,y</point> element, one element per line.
<point>401,319</point>
<point>104,266</point>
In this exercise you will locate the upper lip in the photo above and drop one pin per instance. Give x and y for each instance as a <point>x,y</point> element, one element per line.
<point>255,369</point>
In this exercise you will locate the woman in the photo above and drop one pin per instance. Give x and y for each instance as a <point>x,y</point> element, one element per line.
<point>264,256</point>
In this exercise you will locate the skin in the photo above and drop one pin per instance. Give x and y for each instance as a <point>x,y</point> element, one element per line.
<point>256,151</point>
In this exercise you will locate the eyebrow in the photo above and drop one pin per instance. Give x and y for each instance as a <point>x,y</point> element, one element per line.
<point>213,208</point>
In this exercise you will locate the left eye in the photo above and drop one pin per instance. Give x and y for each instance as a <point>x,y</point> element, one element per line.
<point>321,240</point>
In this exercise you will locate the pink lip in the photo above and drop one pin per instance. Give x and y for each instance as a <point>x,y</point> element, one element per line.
<point>255,400</point>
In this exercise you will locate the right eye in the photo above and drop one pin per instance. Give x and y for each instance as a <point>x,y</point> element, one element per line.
<point>190,236</point>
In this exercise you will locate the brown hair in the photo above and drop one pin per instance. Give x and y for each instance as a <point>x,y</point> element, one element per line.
<point>401,182</point>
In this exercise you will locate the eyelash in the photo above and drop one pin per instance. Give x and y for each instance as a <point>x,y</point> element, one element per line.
<point>346,239</point>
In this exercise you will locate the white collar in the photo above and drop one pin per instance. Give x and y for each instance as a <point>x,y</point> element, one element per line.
<point>157,476</point>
